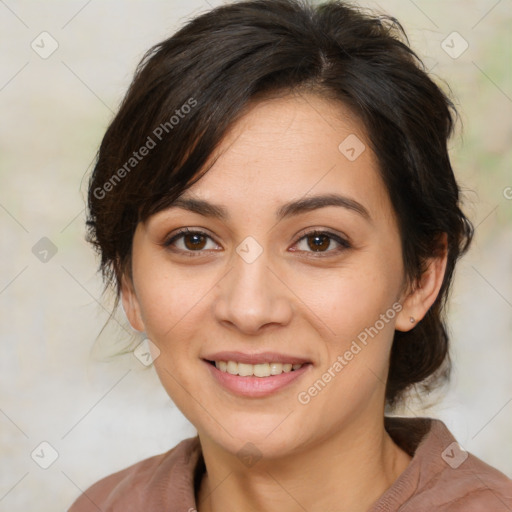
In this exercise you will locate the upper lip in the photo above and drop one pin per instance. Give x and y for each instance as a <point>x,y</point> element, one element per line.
<point>260,358</point>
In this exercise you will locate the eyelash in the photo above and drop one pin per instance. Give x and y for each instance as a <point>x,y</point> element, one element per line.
<point>344,244</point>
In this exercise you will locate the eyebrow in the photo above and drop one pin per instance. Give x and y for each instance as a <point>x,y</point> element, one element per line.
<point>287,210</point>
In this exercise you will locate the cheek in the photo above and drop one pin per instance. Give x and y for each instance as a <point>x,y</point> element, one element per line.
<point>172,304</point>
<point>351,298</point>
<point>354,357</point>
<point>358,305</point>
<point>168,298</point>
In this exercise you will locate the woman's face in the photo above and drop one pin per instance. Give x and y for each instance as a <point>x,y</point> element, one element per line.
<point>257,285</point>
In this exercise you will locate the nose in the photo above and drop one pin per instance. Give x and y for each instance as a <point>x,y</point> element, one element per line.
<point>252,296</point>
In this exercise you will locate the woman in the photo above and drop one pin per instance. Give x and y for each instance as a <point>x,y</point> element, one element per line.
<point>275,206</point>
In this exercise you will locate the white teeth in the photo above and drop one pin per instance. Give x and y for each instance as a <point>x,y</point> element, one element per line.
<point>276,368</point>
<point>262,370</point>
<point>244,370</point>
<point>257,370</point>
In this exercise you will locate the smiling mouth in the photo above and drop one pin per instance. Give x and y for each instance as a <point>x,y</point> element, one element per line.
<point>255,370</point>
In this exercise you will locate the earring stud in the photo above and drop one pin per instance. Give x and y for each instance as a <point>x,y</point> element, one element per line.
<point>412,319</point>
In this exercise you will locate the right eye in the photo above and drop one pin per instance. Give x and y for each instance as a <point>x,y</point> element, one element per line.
<point>192,241</point>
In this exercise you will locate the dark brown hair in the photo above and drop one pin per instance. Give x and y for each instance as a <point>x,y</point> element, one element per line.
<point>189,89</point>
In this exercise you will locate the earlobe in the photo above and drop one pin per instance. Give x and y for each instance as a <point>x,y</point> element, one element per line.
<point>131,304</point>
<point>424,294</point>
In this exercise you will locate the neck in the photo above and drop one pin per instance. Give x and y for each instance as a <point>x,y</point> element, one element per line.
<point>347,471</point>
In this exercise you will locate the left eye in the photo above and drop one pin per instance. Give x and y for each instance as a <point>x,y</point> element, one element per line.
<point>317,241</point>
<point>320,241</point>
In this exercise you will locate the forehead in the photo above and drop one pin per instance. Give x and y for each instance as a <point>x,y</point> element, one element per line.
<point>290,147</point>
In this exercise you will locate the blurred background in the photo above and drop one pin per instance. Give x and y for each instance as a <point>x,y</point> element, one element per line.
<point>69,412</point>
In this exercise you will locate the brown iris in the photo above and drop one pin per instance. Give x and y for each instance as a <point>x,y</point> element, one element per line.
<point>318,246</point>
<point>198,242</point>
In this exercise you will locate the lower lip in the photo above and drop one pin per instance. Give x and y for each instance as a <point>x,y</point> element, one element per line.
<point>256,387</point>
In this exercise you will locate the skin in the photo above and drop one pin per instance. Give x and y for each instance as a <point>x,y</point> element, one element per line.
<point>332,453</point>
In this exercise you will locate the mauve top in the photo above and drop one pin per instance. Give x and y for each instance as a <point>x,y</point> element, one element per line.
<point>440,477</point>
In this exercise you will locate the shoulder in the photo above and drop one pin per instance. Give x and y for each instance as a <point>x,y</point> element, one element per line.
<point>473,486</point>
<point>443,476</point>
<point>156,481</point>
<point>466,482</point>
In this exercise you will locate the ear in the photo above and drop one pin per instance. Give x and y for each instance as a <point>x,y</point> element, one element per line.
<point>423,295</point>
<point>130,303</point>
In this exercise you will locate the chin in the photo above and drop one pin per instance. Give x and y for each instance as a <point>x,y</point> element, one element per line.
<point>265,434</point>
